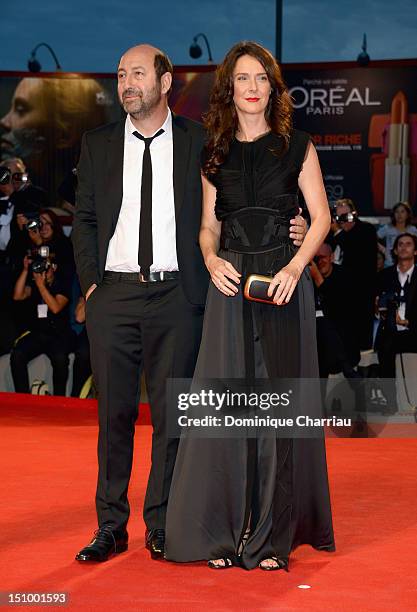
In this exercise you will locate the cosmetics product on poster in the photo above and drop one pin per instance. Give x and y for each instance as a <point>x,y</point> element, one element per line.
<point>397,162</point>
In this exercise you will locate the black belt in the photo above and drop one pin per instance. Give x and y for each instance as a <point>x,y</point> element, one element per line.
<point>254,230</point>
<point>137,277</point>
<point>280,239</point>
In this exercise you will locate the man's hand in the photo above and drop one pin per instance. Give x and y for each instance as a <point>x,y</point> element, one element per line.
<point>80,310</point>
<point>315,273</point>
<point>26,262</point>
<point>21,221</point>
<point>400,321</point>
<point>298,229</point>
<point>335,227</point>
<point>40,279</point>
<point>90,291</point>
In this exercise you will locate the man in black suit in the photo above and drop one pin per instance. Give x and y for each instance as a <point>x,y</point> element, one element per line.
<point>357,242</point>
<point>334,323</point>
<point>397,299</point>
<point>135,236</point>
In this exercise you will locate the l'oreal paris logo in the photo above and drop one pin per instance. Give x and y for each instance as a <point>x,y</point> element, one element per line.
<point>319,101</point>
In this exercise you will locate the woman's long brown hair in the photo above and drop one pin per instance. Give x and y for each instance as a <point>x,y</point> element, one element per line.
<point>221,121</point>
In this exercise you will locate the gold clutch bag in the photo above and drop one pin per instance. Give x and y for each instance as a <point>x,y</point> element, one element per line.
<point>256,288</point>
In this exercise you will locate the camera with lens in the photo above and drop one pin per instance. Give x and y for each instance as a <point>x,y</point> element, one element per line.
<point>345,217</point>
<point>5,175</point>
<point>20,179</point>
<point>34,223</point>
<point>40,261</point>
<point>388,303</point>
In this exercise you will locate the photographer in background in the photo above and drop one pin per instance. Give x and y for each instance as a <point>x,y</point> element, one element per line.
<point>46,230</point>
<point>357,242</point>
<point>334,323</point>
<point>41,228</point>
<point>48,292</point>
<point>25,199</point>
<point>336,351</point>
<point>397,305</point>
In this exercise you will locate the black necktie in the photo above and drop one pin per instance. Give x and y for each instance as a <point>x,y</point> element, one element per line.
<point>145,255</point>
<point>404,289</point>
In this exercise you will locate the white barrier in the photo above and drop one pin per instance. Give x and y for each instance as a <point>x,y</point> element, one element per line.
<point>39,369</point>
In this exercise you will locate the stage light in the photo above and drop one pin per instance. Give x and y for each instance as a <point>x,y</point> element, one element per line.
<point>34,64</point>
<point>196,51</point>
<point>363,58</point>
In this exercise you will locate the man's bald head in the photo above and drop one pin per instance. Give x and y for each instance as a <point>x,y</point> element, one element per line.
<point>139,51</point>
<point>325,250</point>
<point>15,164</point>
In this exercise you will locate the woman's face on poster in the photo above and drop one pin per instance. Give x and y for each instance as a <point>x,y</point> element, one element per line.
<point>23,127</point>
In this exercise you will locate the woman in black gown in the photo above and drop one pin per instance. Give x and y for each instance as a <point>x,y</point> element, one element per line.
<point>250,501</point>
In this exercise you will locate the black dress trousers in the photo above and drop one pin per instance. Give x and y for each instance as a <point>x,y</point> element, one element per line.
<point>135,326</point>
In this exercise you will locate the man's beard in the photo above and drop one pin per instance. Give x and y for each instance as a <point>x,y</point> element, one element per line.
<point>145,105</point>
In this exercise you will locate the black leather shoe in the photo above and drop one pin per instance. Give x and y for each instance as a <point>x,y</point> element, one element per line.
<point>155,542</point>
<point>106,542</point>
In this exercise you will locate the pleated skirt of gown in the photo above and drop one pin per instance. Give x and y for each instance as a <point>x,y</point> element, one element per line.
<point>252,498</point>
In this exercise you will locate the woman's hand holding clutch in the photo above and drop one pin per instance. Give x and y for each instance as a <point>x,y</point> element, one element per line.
<point>222,274</point>
<point>286,280</point>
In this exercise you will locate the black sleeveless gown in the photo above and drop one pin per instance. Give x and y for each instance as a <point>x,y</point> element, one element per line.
<point>250,499</point>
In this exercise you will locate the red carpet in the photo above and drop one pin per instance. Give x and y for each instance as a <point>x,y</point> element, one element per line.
<point>48,479</point>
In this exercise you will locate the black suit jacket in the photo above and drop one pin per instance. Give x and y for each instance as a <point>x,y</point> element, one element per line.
<point>387,282</point>
<point>99,199</point>
<point>359,247</point>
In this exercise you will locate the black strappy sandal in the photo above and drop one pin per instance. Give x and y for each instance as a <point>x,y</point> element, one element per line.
<point>226,563</point>
<point>280,563</point>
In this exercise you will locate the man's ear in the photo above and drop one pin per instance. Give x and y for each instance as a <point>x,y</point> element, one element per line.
<point>166,82</point>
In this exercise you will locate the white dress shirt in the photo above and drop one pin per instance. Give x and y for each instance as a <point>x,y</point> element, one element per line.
<point>122,255</point>
<point>5,220</point>
<point>403,277</point>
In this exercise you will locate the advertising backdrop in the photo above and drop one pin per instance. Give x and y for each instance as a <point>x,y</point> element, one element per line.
<point>363,121</point>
